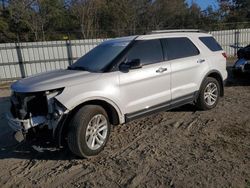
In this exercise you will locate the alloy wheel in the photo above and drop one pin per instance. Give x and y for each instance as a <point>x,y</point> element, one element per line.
<point>96,132</point>
<point>211,94</point>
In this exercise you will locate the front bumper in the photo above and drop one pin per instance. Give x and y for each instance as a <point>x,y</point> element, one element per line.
<point>24,125</point>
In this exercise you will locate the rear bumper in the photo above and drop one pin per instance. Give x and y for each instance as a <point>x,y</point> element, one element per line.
<point>224,76</point>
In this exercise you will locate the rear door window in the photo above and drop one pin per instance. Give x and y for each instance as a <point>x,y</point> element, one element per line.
<point>148,51</point>
<point>179,48</point>
<point>211,43</point>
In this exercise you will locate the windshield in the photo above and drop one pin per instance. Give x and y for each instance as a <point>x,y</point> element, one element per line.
<point>101,56</point>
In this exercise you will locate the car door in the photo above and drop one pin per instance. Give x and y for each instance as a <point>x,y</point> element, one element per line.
<point>187,67</point>
<point>143,88</point>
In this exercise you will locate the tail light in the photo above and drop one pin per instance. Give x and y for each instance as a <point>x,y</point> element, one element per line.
<point>224,55</point>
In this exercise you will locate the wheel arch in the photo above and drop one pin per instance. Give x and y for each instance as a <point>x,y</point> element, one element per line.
<point>114,114</point>
<point>216,75</point>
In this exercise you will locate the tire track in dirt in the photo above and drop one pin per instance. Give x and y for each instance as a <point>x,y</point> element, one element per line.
<point>110,157</point>
<point>125,150</point>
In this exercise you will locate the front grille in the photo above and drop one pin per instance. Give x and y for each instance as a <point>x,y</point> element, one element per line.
<point>24,105</point>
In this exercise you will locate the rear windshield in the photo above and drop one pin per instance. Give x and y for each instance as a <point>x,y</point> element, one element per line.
<point>211,43</point>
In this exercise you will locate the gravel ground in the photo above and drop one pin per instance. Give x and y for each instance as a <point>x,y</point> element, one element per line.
<point>180,148</point>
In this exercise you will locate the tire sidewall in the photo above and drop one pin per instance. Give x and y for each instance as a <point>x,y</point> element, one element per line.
<point>207,81</point>
<point>82,127</point>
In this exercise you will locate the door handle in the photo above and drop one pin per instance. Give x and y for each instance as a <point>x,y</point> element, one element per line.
<point>161,70</point>
<point>201,60</point>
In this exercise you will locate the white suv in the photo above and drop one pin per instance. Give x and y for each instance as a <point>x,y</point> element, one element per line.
<point>116,82</point>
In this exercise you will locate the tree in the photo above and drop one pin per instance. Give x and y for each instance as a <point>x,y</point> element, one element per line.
<point>242,9</point>
<point>4,4</point>
<point>51,15</point>
<point>85,13</point>
<point>18,13</point>
<point>51,19</point>
<point>234,10</point>
<point>168,14</point>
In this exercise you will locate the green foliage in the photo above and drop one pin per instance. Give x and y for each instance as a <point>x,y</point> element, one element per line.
<point>235,10</point>
<point>34,20</point>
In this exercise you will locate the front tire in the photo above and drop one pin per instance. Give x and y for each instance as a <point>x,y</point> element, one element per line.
<point>89,131</point>
<point>209,94</point>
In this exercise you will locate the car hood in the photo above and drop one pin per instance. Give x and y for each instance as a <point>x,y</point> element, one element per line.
<point>53,80</point>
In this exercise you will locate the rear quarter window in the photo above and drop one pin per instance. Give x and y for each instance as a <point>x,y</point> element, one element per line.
<point>211,43</point>
<point>181,47</point>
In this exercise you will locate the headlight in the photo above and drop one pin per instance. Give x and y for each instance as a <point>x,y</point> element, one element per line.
<point>52,93</point>
<point>53,106</point>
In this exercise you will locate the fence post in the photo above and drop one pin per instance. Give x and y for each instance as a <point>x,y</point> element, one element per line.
<point>20,60</point>
<point>236,41</point>
<point>69,52</point>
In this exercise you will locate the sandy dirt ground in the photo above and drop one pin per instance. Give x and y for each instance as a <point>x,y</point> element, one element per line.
<point>180,148</point>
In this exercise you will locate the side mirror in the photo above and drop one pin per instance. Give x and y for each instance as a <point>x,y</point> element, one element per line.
<point>133,64</point>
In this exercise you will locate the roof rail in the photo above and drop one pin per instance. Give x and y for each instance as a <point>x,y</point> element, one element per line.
<point>176,31</point>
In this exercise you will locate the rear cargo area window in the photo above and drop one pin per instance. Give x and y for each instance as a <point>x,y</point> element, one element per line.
<point>211,43</point>
<point>180,48</point>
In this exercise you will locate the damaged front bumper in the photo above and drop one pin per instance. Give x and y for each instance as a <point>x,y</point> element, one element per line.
<point>34,111</point>
<point>26,124</point>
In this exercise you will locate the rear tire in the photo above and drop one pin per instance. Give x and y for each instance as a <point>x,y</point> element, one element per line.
<point>89,131</point>
<point>209,94</point>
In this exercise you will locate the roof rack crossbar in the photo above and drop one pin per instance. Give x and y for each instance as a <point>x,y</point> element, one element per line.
<point>176,31</point>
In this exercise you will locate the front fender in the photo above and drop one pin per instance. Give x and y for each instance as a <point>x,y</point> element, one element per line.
<point>70,102</point>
